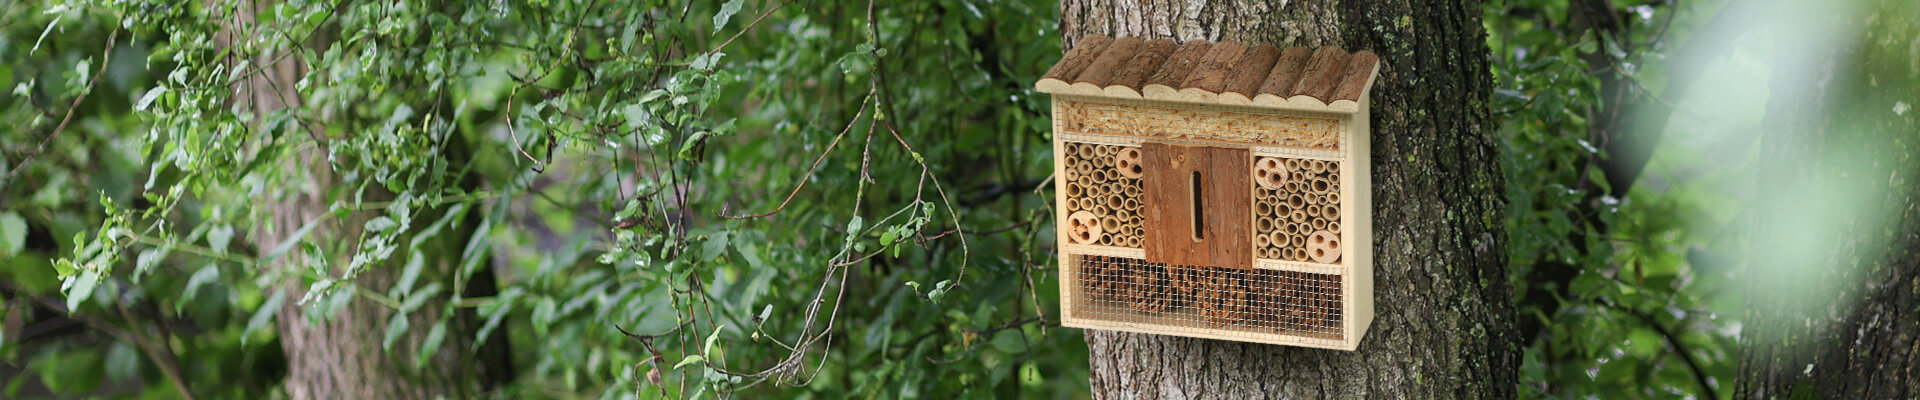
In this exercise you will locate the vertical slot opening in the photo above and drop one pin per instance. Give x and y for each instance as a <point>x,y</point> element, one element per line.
<point>1199,213</point>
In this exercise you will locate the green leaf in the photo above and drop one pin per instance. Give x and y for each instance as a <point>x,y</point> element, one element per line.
<point>82,289</point>
<point>726,12</point>
<point>707,61</point>
<point>434,338</point>
<point>396,326</point>
<point>219,237</point>
<point>689,360</point>
<point>147,99</point>
<point>711,339</point>
<point>13,233</point>
<point>264,314</point>
<point>200,278</point>
<point>543,315</point>
<point>380,224</point>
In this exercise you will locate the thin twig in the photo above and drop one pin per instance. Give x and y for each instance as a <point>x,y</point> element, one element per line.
<point>106,59</point>
<point>810,170</point>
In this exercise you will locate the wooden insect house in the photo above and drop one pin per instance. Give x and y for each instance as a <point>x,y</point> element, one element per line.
<point>1214,190</point>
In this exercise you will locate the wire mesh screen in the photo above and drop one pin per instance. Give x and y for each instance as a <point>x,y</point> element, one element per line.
<point>1243,302</point>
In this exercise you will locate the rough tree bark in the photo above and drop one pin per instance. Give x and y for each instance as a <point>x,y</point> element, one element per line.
<point>1844,124</point>
<point>1446,324</point>
<point>342,357</point>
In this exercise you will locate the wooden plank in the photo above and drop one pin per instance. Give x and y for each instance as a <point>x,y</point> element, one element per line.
<point>1229,207</point>
<point>1286,72</point>
<point>1358,74</point>
<point>1322,74</point>
<point>1211,74</point>
<point>1109,62</point>
<point>1077,59</point>
<point>1183,60</point>
<point>1252,70</point>
<point>1133,74</point>
<point>1168,187</point>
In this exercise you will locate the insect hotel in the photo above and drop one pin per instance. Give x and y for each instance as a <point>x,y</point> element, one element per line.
<point>1214,190</point>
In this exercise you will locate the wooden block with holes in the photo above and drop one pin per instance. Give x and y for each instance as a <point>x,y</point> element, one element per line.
<point>1214,190</point>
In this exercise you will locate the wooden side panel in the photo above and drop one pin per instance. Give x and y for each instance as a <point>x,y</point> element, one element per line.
<point>1229,208</point>
<point>1224,207</point>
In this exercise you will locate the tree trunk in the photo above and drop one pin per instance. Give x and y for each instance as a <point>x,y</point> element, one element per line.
<point>1445,322</point>
<point>342,356</point>
<point>1842,319</point>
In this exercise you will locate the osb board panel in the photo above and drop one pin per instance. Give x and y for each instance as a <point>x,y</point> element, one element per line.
<point>1222,235</point>
<point>1198,124</point>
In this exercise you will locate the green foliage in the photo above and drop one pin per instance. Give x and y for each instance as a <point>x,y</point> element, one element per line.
<point>1646,313</point>
<point>601,157</point>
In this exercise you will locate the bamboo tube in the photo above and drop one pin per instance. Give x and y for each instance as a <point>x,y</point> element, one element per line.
<point>1297,216</point>
<point>1299,241</point>
<point>1124,215</point>
<point>1333,198</point>
<point>1333,226</point>
<point>1132,203</point>
<point>1101,210</point>
<point>1324,247</point>
<point>1084,170</point>
<point>1111,174</point>
<point>1282,210</point>
<point>1293,186</point>
<point>1330,213</point>
<point>1261,241</point>
<point>1319,224</point>
<point>1133,189</point>
<point>1297,201</point>
<point>1313,211</point>
<point>1085,227</point>
<point>1278,239</point>
<point>1110,224</point>
<point>1288,228</point>
<point>1293,164</point>
<point>1312,199</point>
<point>1133,241</point>
<point>1073,205</point>
<point>1262,208</point>
<point>1299,254</point>
<point>1320,185</point>
<point>1086,203</point>
<point>1099,177</point>
<point>1115,202</point>
<point>1085,152</point>
<point>1317,166</point>
<point>1107,151</point>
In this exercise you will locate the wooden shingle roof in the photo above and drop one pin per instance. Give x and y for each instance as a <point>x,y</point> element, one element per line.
<point>1327,79</point>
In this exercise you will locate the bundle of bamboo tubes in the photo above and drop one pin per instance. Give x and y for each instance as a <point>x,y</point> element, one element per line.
<point>1295,201</point>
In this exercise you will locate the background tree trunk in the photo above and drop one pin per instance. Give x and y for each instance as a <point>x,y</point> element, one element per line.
<point>1844,321</point>
<point>1445,324</point>
<point>342,356</point>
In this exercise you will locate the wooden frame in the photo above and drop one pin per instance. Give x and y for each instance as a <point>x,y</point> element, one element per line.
<point>1247,280</point>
